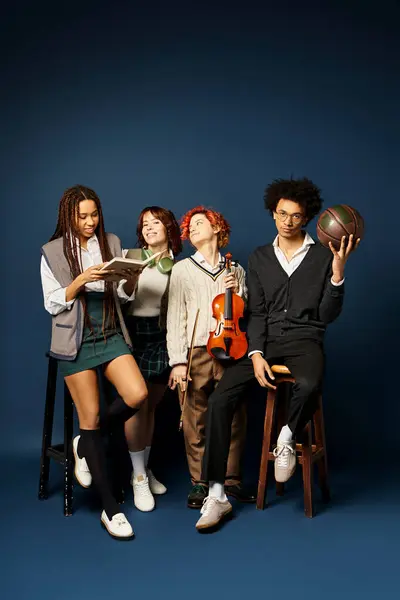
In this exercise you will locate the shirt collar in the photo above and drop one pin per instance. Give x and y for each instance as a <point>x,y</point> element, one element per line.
<point>308,241</point>
<point>199,258</point>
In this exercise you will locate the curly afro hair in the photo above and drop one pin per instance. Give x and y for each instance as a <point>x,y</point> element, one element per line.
<point>303,191</point>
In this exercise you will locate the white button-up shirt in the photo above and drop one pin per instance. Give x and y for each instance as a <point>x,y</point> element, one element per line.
<point>54,294</point>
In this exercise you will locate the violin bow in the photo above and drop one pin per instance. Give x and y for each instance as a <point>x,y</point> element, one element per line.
<point>188,369</point>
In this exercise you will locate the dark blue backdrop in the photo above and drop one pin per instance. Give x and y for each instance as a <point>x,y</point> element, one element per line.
<point>180,103</point>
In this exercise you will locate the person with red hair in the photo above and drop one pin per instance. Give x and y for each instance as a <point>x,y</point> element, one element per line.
<point>195,281</point>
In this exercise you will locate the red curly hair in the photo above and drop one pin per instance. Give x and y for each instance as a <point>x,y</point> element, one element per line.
<point>215,218</point>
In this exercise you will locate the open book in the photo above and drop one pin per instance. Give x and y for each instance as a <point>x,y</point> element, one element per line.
<point>118,264</point>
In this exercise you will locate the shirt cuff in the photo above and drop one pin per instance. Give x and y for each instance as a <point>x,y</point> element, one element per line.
<point>250,354</point>
<point>337,284</point>
<point>121,292</point>
<point>60,297</point>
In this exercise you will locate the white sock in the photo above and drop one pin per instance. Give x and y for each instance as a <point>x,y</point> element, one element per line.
<point>217,490</point>
<point>146,455</point>
<point>137,459</point>
<point>285,435</point>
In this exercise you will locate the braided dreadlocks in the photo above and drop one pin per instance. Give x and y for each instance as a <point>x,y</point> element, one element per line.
<point>66,228</point>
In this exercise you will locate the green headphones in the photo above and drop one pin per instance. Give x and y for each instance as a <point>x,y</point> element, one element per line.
<point>164,265</point>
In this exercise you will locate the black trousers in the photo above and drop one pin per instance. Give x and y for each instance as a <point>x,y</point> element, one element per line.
<point>304,359</point>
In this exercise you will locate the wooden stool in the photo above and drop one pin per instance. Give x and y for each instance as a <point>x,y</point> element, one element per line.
<point>62,453</point>
<point>307,452</point>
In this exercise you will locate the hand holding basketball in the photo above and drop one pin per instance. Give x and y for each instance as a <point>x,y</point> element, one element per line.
<point>340,228</point>
<point>340,256</point>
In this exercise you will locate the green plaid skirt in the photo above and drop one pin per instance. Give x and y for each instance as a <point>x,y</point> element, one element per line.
<point>149,347</point>
<point>98,347</point>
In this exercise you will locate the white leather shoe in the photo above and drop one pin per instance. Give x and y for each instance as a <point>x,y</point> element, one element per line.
<point>285,461</point>
<point>142,496</point>
<point>118,527</point>
<point>156,486</point>
<point>81,470</point>
<point>213,512</point>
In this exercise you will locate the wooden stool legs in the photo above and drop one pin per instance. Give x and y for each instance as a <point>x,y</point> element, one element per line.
<point>319,432</point>
<point>62,453</point>
<point>306,461</point>
<point>47,429</point>
<point>266,445</point>
<point>307,452</point>
<point>68,460</point>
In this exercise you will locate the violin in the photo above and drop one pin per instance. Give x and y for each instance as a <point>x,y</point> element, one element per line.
<point>227,342</point>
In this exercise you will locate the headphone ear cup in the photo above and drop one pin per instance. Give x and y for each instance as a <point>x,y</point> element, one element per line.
<point>165,265</point>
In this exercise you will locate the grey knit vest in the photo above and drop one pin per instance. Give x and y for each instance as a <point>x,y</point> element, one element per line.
<point>67,326</point>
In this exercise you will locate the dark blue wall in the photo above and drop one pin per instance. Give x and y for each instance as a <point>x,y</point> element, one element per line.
<point>180,103</point>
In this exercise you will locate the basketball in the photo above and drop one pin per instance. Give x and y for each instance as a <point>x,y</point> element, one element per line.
<point>337,221</point>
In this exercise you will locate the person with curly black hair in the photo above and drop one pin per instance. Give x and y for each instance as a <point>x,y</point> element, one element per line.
<point>295,290</point>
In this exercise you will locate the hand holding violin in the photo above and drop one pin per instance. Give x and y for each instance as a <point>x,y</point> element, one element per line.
<point>231,283</point>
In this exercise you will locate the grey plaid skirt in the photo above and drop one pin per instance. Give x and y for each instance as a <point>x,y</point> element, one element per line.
<point>149,347</point>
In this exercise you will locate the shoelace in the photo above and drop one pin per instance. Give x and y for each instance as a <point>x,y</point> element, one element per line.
<point>208,504</point>
<point>143,487</point>
<point>282,453</point>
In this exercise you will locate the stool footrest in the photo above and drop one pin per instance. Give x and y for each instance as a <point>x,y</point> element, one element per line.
<point>56,453</point>
<point>317,454</point>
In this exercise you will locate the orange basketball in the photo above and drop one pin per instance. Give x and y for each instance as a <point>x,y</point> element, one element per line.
<point>337,221</point>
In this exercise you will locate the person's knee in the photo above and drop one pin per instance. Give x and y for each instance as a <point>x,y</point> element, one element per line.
<point>308,387</point>
<point>137,396</point>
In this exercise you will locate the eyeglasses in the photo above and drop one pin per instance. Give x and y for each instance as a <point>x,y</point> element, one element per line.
<point>284,216</point>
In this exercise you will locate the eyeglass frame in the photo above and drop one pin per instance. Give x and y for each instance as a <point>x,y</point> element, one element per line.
<point>297,218</point>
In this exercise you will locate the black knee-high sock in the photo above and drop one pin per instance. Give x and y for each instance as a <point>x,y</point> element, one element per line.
<point>119,410</point>
<point>91,447</point>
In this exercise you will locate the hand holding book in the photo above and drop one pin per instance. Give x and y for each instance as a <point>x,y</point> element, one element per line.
<point>125,268</point>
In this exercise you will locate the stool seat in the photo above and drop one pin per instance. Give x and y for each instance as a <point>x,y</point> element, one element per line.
<point>281,370</point>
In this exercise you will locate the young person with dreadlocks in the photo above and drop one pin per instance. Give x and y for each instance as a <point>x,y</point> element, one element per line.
<point>88,331</point>
<point>195,281</point>
<point>295,290</point>
<point>157,231</point>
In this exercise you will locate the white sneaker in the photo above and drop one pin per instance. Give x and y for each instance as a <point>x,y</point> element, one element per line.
<point>142,496</point>
<point>81,470</point>
<point>119,526</point>
<point>212,512</point>
<point>285,461</point>
<point>156,486</point>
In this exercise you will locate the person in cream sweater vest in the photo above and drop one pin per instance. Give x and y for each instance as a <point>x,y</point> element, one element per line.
<point>195,281</point>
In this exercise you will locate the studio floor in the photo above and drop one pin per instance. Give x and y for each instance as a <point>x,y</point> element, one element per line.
<point>349,550</point>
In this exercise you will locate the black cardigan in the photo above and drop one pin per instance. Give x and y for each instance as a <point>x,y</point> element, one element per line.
<point>299,306</point>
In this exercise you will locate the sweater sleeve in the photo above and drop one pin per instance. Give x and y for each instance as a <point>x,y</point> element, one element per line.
<point>241,277</point>
<point>332,300</point>
<point>257,326</point>
<point>177,342</point>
